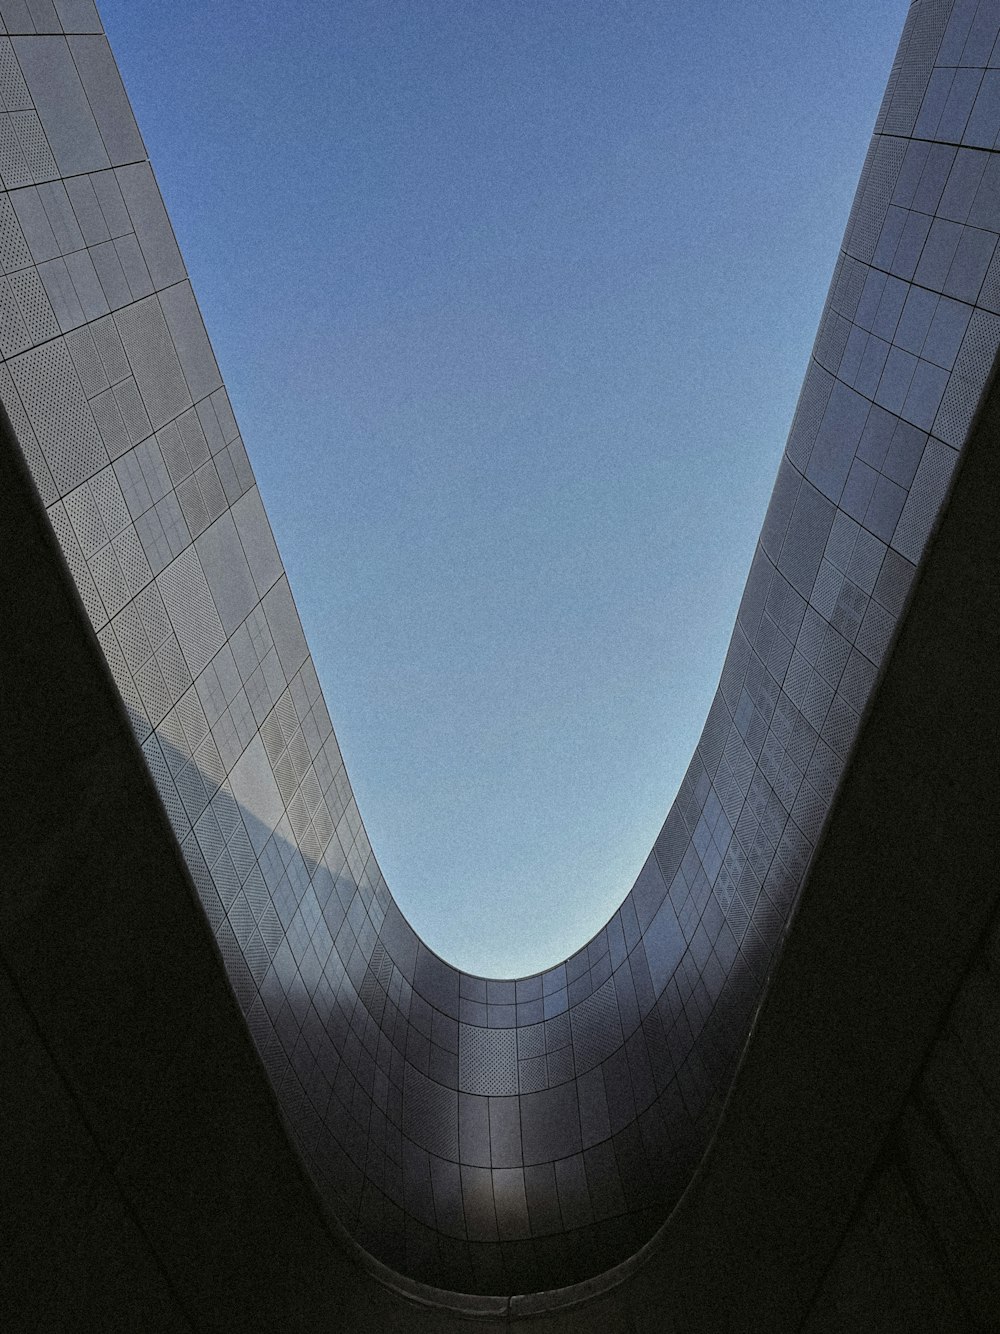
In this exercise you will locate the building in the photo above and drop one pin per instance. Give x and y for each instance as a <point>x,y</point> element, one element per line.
<point>480,1136</point>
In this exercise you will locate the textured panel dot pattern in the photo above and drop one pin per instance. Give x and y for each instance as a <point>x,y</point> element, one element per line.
<point>34,145</point>
<point>50,390</point>
<point>487,1060</point>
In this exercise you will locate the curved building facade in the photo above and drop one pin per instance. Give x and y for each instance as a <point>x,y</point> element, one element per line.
<point>479,1134</point>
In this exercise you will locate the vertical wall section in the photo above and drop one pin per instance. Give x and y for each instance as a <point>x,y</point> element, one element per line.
<point>480,1134</point>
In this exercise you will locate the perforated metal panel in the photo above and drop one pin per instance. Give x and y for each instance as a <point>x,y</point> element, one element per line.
<point>14,170</point>
<point>151,354</point>
<point>34,145</point>
<point>925,26</point>
<point>192,612</point>
<point>53,398</point>
<point>597,1030</point>
<point>13,89</point>
<point>487,1060</point>
<point>36,310</point>
<point>878,181</point>
<point>14,252</point>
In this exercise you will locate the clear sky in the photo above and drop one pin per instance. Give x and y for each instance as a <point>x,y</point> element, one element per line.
<point>513,299</point>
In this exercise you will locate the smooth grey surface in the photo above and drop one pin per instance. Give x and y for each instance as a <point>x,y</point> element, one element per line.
<point>106,95</point>
<point>228,573</point>
<point>190,339</point>
<point>257,539</point>
<point>152,226</point>
<point>78,15</point>
<point>62,104</point>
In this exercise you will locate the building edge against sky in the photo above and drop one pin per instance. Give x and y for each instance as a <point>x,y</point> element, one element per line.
<point>475,423</point>
<point>483,1135</point>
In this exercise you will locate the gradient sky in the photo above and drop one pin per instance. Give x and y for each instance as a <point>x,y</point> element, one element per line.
<point>513,299</point>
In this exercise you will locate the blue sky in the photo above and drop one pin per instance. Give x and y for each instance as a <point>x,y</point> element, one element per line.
<point>513,300</point>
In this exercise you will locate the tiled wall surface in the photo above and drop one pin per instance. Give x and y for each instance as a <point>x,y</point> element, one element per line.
<point>482,1134</point>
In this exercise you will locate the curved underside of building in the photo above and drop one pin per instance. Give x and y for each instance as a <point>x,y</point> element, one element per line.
<point>478,1135</point>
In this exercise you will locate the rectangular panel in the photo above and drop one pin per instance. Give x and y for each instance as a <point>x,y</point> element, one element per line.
<point>188,331</point>
<point>62,105</point>
<point>283,620</point>
<point>103,86</point>
<point>78,15</point>
<point>227,571</point>
<point>150,351</point>
<point>152,226</point>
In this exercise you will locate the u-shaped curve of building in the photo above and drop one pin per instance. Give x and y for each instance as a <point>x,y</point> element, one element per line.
<point>482,1135</point>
